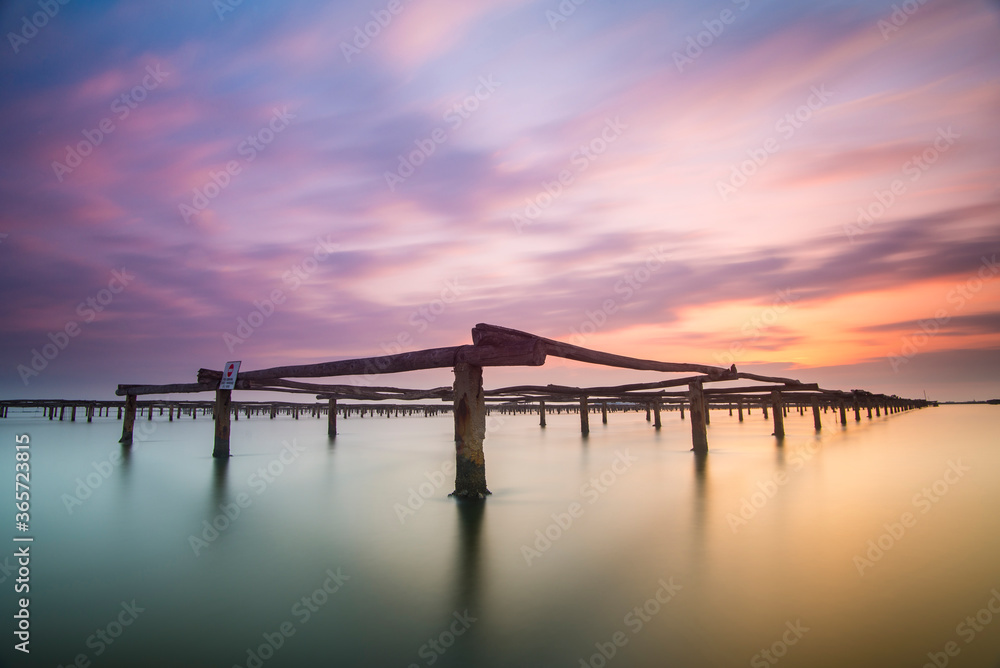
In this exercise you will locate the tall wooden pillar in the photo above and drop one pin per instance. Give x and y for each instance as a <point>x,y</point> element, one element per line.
<point>584,416</point>
<point>739,408</point>
<point>763,405</point>
<point>331,418</point>
<point>857,410</point>
<point>817,422</point>
<point>604,412</point>
<point>128,426</point>
<point>647,412</point>
<point>223,409</point>
<point>777,410</point>
<point>656,414</point>
<point>699,433</point>
<point>541,413</point>
<point>869,407</point>
<point>470,432</point>
<point>843,412</point>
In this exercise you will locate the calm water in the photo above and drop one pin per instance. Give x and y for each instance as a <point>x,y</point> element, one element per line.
<point>757,548</point>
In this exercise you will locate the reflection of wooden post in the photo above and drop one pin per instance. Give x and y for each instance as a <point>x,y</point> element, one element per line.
<point>699,434</point>
<point>223,408</point>
<point>331,418</point>
<point>817,422</point>
<point>129,424</point>
<point>541,413</point>
<point>584,416</point>
<point>656,414</point>
<point>778,413</point>
<point>470,431</point>
<point>739,408</point>
<point>604,412</point>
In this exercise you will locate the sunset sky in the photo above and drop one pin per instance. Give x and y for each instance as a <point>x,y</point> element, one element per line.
<point>806,189</point>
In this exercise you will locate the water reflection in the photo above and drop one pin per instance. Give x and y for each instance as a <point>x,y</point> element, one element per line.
<point>220,483</point>
<point>469,567</point>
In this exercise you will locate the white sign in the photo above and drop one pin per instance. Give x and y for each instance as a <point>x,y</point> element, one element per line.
<point>229,375</point>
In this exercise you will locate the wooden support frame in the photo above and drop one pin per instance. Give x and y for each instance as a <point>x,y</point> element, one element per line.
<point>470,432</point>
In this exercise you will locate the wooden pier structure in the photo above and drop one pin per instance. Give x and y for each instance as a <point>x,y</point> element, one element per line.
<point>693,395</point>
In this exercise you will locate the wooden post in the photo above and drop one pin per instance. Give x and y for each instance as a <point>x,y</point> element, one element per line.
<point>541,413</point>
<point>682,410</point>
<point>817,422</point>
<point>72,414</point>
<point>331,419</point>
<point>699,433</point>
<point>656,414</point>
<point>843,413</point>
<point>223,408</point>
<point>763,406</point>
<point>119,413</point>
<point>584,416</point>
<point>647,412</point>
<point>869,407</point>
<point>470,431</point>
<point>739,408</point>
<point>857,410</point>
<point>90,413</point>
<point>778,413</point>
<point>708,412</point>
<point>604,412</point>
<point>129,424</point>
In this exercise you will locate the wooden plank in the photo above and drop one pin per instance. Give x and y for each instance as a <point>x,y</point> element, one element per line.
<point>470,432</point>
<point>484,332</point>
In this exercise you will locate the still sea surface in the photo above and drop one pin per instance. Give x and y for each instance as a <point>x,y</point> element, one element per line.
<point>875,544</point>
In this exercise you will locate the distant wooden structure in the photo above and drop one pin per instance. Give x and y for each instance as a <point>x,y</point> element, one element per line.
<point>500,346</point>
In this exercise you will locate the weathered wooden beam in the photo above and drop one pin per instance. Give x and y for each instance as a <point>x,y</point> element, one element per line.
<point>768,379</point>
<point>128,425</point>
<point>777,411</point>
<point>177,388</point>
<point>699,431</point>
<point>470,432</point>
<point>801,387</point>
<point>484,332</point>
<point>223,407</point>
<point>525,353</point>
<point>331,418</point>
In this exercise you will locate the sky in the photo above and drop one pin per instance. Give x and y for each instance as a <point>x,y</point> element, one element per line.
<point>803,189</point>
